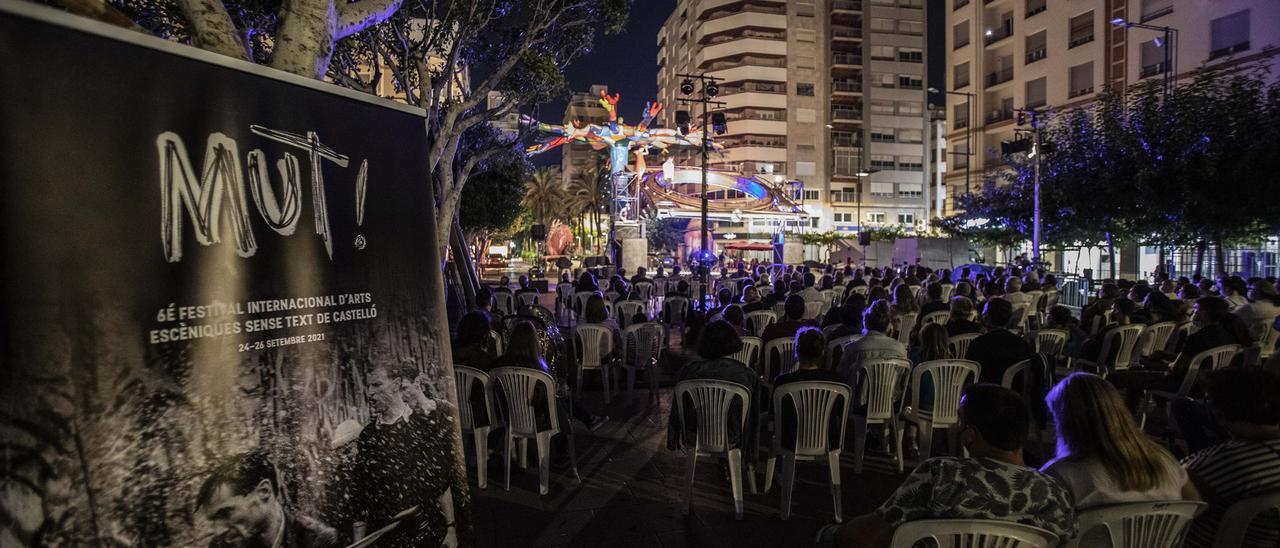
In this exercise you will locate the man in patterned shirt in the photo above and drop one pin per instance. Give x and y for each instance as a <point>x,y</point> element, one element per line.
<point>992,484</point>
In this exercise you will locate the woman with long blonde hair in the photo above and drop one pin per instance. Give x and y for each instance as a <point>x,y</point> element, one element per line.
<point>1103,456</point>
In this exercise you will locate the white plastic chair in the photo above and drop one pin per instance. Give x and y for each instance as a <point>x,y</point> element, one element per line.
<point>499,343</point>
<point>645,289</point>
<point>813,309</point>
<point>879,382</point>
<point>643,344</point>
<point>1179,334</point>
<point>1218,356</point>
<point>592,342</point>
<point>528,298</point>
<point>1018,321</point>
<point>940,317</point>
<point>625,310</point>
<point>950,377</point>
<point>1235,521</point>
<point>1012,373</point>
<point>830,297</point>
<point>960,344</point>
<point>835,349</point>
<point>1050,342</point>
<point>749,354</point>
<point>779,357</point>
<point>947,290</point>
<point>580,304</point>
<point>519,387</point>
<point>906,323</point>
<point>463,379</point>
<point>675,310</point>
<point>758,320</point>
<point>1123,340</point>
<point>861,290</point>
<point>1138,525</point>
<point>1267,344</point>
<point>1156,337</point>
<point>972,533</point>
<point>711,400</point>
<point>504,303</point>
<point>813,403</point>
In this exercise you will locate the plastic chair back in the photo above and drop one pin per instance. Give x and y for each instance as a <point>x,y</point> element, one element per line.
<point>504,303</point>
<point>831,296</point>
<point>1218,356</point>
<point>835,349</point>
<point>779,357</point>
<point>1157,337</point>
<point>758,320</point>
<point>972,533</point>
<point>645,289</point>
<point>940,317</point>
<point>813,309</point>
<point>1129,335</point>
<point>861,290</point>
<point>463,379</point>
<point>625,310</point>
<point>1235,521</point>
<point>1139,525</point>
<point>1020,368</point>
<point>1051,341</point>
<point>676,309</point>
<point>947,290</point>
<point>520,385</point>
<point>593,342</point>
<point>644,342</point>
<point>813,402</point>
<point>528,298</point>
<point>906,323</point>
<point>950,377</point>
<point>580,302</point>
<point>960,344</point>
<point>711,400</point>
<point>749,354</point>
<point>1267,342</point>
<point>499,344</point>
<point>879,382</point>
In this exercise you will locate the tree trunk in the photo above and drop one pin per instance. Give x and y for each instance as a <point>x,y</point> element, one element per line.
<point>1220,256</point>
<point>211,28</point>
<point>1199,259</point>
<point>1111,252</point>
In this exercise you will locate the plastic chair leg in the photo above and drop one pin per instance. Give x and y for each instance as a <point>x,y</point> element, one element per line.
<point>735,479</point>
<point>544,462</point>
<point>788,482</point>
<point>482,456</point>
<point>859,442</point>
<point>926,440</point>
<point>604,381</point>
<point>895,430</point>
<point>769,464</point>
<point>833,462</point>
<point>751,479</point>
<point>577,387</point>
<point>631,384</point>
<point>524,453</point>
<point>688,476</point>
<point>510,441</point>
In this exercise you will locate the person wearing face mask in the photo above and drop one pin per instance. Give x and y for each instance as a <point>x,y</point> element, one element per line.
<point>241,499</point>
<point>992,483</point>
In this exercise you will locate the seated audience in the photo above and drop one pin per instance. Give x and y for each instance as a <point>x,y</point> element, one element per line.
<point>959,322</point>
<point>810,346</point>
<point>997,348</point>
<point>875,342</point>
<point>716,343</point>
<point>792,320</point>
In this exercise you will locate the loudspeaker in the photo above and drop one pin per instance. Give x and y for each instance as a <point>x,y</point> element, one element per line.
<point>864,238</point>
<point>538,232</point>
<point>718,123</point>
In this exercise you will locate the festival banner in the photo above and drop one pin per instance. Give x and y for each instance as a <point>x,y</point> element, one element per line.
<point>220,302</point>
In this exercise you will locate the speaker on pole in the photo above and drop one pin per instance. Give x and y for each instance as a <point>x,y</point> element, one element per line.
<point>538,232</point>
<point>864,238</point>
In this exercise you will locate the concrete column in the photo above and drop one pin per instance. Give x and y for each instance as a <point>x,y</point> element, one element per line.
<point>792,249</point>
<point>635,247</point>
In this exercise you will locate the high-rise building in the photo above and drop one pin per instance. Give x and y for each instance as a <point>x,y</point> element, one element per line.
<point>826,92</point>
<point>583,109</point>
<point>1005,55</point>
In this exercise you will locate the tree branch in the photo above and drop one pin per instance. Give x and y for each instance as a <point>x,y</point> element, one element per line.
<point>100,11</point>
<point>212,29</point>
<point>354,17</point>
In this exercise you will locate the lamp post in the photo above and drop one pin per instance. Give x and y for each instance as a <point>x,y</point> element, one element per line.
<point>968,133</point>
<point>708,90</point>
<point>1169,43</point>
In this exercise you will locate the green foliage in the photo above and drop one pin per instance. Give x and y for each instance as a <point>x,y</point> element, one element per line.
<point>887,233</point>
<point>491,200</point>
<point>1197,167</point>
<point>666,234</point>
<point>824,239</point>
<point>544,196</point>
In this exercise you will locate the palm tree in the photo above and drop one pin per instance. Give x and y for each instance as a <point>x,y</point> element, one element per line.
<point>544,196</point>
<point>594,180</point>
<point>578,203</point>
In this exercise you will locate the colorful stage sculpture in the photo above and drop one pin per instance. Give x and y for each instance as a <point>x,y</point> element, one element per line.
<point>621,140</point>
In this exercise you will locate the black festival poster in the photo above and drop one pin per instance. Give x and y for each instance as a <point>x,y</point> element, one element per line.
<point>220,302</point>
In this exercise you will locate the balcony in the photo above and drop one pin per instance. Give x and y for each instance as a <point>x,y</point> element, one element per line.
<point>845,139</point>
<point>846,86</point>
<point>845,196</point>
<point>1000,115</point>
<point>846,5</point>
<point>850,114</point>
<point>1151,70</point>
<point>844,58</point>
<point>1037,54</point>
<point>845,32</point>
<point>999,77</point>
<point>960,123</point>
<point>997,34</point>
<point>1034,9</point>
<point>1080,40</point>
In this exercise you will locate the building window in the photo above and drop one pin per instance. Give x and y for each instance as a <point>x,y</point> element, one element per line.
<point>805,90</point>
<point>846,162</point>
<point>960,116</point>
<point>882,135</point>
<point>1152,57</point>
<point>960,35</point>
<point>910,163</point>
<point>1080,80</point>
<point>908,219</point>
<point>1037,47</point>
<point>1036,92</point>
<point>880,24</point>
<point>875,217</point>
<point>813,222</point>
<point>911,27</point>
<point>1081,30</point>
<point>883,79</point>
<point>810,195</point>
<point>882,52</point>
<point>1036,6</point>
<point>881,107</point>
<point>1229,34</point>
<point>910,108</point>
<point>915,4</point>
<point>908,81</point>
<point>910,136</point>
<point>910,55</point>
<point>881,161</point>
<point>843,217</point>
<point>960,76</point>
<point>1152,9</point>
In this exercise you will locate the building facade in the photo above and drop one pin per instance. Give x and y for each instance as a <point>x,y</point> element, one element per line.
<point>1005,55</point>
<point>829,93</point>
<point>583,109</point>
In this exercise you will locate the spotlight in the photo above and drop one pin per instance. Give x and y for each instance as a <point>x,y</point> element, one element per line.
<point>718,123</point>
<point>1119,22</point>
<point>712,89</point>
<point>686,86</point>
<point>1159,42</point>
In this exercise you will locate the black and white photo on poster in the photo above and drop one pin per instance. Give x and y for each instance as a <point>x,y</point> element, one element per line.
<point>220,307</point>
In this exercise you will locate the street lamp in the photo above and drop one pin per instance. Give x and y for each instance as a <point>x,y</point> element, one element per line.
<point>968,134</point>
<point>1169,43</point>
<point>710,88</point>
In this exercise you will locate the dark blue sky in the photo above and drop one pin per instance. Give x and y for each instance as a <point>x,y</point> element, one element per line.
<point>627,63</point>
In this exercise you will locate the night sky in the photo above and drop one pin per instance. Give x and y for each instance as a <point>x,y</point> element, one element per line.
<point>627,63</point>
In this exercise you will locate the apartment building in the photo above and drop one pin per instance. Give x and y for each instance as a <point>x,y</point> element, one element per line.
<point>1009,54</point>
<point>584,108</point>
<point>816,91</point>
